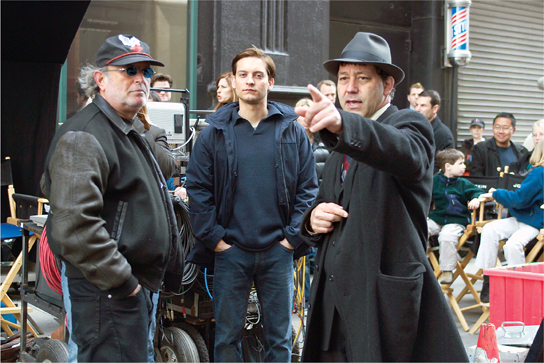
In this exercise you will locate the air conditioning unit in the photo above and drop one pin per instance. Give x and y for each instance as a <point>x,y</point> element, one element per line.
<point>169,116</point>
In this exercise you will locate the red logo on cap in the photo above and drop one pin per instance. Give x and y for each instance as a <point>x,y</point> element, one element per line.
<point>136,48</point>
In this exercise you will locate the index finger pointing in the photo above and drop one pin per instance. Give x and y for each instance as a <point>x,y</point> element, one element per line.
<point>314,92</point>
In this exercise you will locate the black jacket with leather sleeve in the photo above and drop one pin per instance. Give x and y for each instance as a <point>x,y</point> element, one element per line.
<point>486,160</point>
<point>112,218</point>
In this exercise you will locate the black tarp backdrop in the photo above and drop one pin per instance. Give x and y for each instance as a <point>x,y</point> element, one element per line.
<point>36,38</point>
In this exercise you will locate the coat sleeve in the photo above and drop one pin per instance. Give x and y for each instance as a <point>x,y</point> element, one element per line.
<point>306,188</point>
<point>156,137</point>
<point>79,173</point>
<point>472,191</point>
<point>477,167</point>
<point>529,192</point>
<point>200,189</point>
<point>402,147</point>
<point>323,196</point>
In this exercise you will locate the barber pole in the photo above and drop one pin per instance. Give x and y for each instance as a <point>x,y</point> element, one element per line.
<point>457,32</point>
<point>459,28</point>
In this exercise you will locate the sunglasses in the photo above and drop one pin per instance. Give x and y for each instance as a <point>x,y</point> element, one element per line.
<point>132,71</point>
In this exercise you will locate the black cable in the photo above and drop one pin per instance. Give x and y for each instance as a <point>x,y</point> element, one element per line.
<point>187,240</point>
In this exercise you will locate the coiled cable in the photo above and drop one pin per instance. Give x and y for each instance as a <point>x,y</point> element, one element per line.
<point>48,264</point>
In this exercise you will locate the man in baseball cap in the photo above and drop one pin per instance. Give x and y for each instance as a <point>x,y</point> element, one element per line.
<point>477,126</point>
<point>112,222</point>
<point>374,295</point>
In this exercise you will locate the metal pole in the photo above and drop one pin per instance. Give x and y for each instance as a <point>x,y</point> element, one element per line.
<point>453,101</point>
<point>62,103</point>
<point>192,52</point>
<point>23,289</point>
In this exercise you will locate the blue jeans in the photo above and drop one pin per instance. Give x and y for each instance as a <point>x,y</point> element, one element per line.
<point>109,330</point>
<point>307,280</point>
<point>272,272</point>
<point>152,327</point>
<point>72,346</point>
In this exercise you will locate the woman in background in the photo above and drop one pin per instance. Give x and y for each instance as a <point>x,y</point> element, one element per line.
<point>225,92</point>
<point>522,166</point>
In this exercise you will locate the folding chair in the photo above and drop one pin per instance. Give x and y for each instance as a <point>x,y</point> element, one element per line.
<point>536,248</point>
<point>459,269</point>
<point>484,183</point>
<point>510,182</point>
<point>22,206</point>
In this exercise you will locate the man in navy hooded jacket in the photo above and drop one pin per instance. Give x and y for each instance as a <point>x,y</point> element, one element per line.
<point>250,178</point>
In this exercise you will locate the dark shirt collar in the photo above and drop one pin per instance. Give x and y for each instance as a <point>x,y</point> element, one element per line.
<point>272,110</point>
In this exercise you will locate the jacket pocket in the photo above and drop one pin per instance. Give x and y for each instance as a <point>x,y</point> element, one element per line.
<point>119,220</point>
<point>399,300</point>
<point>455,207</point>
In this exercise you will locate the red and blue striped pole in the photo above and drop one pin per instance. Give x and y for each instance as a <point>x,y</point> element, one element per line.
<point>458,32</point>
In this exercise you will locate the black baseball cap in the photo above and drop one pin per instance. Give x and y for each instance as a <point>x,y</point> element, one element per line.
<point>477,122</point>
<point>124,49</point>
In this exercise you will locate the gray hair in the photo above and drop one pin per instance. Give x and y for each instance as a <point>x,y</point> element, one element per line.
<point>86,79</point>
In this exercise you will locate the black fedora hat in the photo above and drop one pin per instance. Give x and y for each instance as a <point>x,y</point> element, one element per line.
<point>366,48</point>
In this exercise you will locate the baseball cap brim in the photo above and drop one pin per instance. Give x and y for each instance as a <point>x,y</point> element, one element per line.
<point>134,58</point>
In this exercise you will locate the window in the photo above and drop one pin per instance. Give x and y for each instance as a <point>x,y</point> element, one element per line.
<point>161,24</point>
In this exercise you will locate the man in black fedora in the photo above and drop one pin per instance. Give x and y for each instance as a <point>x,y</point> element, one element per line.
<point>374,295</point>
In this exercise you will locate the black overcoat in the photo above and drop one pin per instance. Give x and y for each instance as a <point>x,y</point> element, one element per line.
<point>384,288</point>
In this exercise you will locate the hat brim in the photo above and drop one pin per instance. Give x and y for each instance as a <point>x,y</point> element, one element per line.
<point>135,58</point>
<point>333,65</point>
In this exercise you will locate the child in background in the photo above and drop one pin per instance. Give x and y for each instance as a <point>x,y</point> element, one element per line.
<point>451,195</point>
<point>528,218</point>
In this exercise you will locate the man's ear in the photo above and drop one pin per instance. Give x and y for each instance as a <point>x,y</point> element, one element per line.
<point>388,85</point>
<point>100,79</point>
<point>435,108</point>
<point>270,84</point>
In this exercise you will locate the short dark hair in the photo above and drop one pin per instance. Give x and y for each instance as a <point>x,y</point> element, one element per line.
<point>159,77</point>
<point>506,115</point>
<point>435,97</point>
<point>257,53</point>
<point>449,156</point>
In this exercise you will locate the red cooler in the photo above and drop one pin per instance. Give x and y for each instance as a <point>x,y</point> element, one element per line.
<point>516,293</point>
